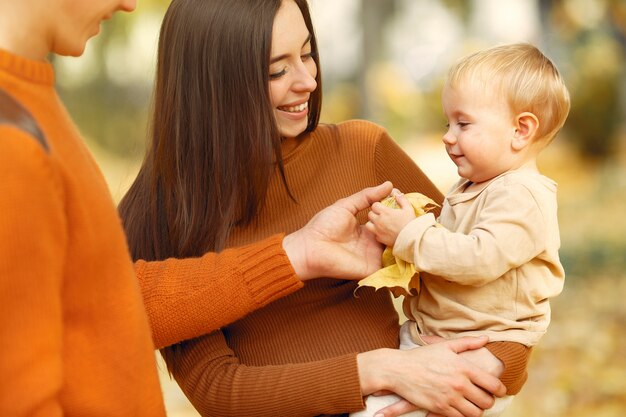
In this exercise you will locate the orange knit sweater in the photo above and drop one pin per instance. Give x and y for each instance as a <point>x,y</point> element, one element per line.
<point>75,334</point>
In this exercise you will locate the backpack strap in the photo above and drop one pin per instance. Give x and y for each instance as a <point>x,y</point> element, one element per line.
<point>14,114</point>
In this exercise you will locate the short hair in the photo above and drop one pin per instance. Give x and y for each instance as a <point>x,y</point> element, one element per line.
<point>530,81</point>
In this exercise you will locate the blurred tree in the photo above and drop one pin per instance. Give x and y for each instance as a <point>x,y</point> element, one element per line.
<point>375,15</point>
<point>591,34</point>
<point>110,110</point>
<point>461,8</point>
<point>588,38</point>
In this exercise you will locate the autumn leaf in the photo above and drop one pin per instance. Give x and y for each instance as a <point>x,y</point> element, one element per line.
<point>398,275</point>
<point>421,204</point>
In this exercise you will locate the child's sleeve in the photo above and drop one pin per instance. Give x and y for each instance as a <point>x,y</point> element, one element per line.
<point>33,238</point>
<point>509,231</point>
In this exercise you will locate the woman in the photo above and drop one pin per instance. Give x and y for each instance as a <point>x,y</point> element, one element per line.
<point>237,154</point>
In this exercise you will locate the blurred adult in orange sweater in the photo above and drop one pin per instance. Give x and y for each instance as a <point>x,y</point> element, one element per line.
<point>78,329</point>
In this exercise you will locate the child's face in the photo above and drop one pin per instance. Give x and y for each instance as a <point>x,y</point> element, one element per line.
<point>76,21</point>
<point>292,70</point>
<point>481,127</point>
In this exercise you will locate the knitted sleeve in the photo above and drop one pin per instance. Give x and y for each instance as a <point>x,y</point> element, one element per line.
<point>186,298</point>
<point>33,238</point>
<point>393,164</point>
<point>217,384</point>
<point>515,358</point>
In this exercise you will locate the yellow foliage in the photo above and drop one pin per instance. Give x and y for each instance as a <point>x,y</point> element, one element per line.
<point>397,275</point>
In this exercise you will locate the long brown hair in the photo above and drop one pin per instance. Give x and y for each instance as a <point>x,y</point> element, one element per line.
<point>214,142</point>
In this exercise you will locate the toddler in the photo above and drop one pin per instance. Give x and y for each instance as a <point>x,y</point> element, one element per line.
<point>493,266</point>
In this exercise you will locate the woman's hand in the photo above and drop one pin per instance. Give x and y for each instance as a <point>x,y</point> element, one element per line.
<point>485,360</point>
<point>333,244</point>
<point>482,357</point>
<point>434,378</point>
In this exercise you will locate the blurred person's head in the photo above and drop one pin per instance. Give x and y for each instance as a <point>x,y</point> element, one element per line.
<point>503,105</point>
<point>36,28</point>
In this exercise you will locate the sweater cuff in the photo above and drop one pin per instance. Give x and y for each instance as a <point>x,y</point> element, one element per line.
<point>514,356</point>
<point>342,393</point>
<point>266,270</point>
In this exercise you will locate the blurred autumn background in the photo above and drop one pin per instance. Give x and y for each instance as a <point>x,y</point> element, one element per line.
<point>384,60</point>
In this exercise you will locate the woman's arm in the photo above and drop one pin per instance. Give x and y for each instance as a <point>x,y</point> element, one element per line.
<point>185,298</point>
<point>217,384</point>
<point>436,378</point>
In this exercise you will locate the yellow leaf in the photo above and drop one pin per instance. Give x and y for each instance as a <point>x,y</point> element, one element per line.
<point>388,258</point>
<point>421,204</point>
<point>396,274</point>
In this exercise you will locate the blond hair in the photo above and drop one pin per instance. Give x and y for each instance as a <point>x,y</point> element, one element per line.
<point>529,80</point>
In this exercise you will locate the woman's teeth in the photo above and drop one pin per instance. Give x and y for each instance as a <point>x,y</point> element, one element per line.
<point>295,109</point>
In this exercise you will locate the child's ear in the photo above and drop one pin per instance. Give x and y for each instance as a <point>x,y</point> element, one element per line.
<point>526,125</point>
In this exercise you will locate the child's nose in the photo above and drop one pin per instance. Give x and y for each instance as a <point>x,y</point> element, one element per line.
<point>448,138</point>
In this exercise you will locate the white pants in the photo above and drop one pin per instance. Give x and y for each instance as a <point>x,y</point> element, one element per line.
<point>374,404</point>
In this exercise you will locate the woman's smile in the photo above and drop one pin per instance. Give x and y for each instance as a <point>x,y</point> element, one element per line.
<point>294,112</point>
<point>294,109</point>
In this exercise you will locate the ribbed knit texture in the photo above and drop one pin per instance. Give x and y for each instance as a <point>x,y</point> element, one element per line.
<point>74,332</point>
<point>515,357</point>
<point>297,356</point>
<point>176,292</point>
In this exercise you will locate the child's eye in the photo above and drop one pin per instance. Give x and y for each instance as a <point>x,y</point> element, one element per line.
<point>463,124</point>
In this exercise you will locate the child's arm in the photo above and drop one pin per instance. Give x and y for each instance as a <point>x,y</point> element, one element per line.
<point>508,231</point>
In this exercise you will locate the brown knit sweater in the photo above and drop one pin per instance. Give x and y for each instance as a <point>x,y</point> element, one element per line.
<point>297,356</point>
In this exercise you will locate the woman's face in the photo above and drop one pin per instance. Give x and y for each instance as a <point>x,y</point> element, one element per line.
<point>292,70</point>
<point>76,21</point>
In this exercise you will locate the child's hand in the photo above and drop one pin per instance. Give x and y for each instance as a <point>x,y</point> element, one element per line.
<point>386,223</point>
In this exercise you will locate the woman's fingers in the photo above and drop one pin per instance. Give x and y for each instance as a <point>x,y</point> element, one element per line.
<point>396,409</point>
<point>476,397</point>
